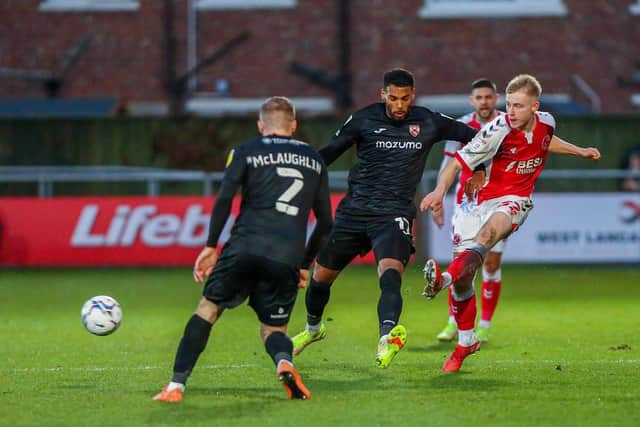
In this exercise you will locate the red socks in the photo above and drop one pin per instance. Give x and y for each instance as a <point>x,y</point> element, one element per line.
<point>465,313</point>
<point>464,265</point>
<point>490,296</point>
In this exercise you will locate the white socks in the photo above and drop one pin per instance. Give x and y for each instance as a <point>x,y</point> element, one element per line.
<point>283,361</point>
<point>466,338</point>
<point>484,324</point>
<point>488,277</point>
<point>172,386</point>
<point>446,276</point>
<point>312,329</point>
<point>463,297</point>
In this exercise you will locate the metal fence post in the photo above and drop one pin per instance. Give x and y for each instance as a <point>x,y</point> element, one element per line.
<point>153,188</point>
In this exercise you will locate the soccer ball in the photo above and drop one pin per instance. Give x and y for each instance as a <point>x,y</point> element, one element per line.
<point>101,315</point>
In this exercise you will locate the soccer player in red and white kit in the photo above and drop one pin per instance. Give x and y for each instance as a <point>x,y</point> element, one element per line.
<point>483,99</point>
<point>516,145</point>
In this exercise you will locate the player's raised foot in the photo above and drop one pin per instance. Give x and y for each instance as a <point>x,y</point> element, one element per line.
<point>291,381</point>
<point>304,338</point>
<point>449,333</point>
<point>434,279</point>
<point>454,362</point>
<point>173,396</point>
<point>389,345</point>
<point>482,334</point>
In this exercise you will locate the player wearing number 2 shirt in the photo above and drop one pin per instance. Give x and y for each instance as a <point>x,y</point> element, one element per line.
<point>282,180</point>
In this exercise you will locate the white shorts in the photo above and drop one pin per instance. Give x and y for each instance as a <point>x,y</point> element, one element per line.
<point>469,218</point>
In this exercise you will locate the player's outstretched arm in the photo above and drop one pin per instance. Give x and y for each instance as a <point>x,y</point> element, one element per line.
<point>434,199</point>
<point>450,148</point>
<point>560,146</point>
<point>344,138</point>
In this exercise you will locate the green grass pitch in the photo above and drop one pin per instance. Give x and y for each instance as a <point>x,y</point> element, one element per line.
<point>564,351</point>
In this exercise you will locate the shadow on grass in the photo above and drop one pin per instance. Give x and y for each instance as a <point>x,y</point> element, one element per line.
<point>259,393</point>
<point>465,381</point>
<point>201,412</point>
<point>203,405</point>
<point>438,347</point>
<point>447,347</point>
<point>246,404</point>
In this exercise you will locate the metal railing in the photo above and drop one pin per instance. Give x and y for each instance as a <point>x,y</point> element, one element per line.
<point>46,176</point>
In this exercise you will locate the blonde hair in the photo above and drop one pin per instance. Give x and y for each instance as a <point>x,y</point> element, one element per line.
<point>277,111</point>
<point>525,82</point>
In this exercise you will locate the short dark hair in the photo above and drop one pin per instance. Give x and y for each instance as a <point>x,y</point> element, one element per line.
<point>398,77</point>
<point>477,84</point>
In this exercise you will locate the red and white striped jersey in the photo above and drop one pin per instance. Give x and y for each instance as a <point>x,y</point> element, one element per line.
<point>450,148</point>
<point>516,158</point>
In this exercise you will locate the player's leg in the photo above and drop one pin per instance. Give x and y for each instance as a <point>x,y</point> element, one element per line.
<point>226,287</point>
<point>273,298</point>
<point>318,294</point>
<point>461,273</point>
<point>280,348</point>
<point>465,224</point>
<point>470,252</point>
<point>192,344</point>
<point>343,245</point>
<point>392,246</point>
<point>393,336</point>
<point>316,299</point>
<point>491,287</point>
<point>464,307</point>
<point>390,302</point>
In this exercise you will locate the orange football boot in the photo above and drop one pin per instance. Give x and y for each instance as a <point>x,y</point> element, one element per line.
<point>292,383</point>
<point>173,396</point>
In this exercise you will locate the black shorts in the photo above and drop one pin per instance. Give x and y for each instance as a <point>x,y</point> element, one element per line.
<point>271,286</point>
<point>389,237</point>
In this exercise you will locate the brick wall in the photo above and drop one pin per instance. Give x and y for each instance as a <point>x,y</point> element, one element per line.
<point>598,40</point>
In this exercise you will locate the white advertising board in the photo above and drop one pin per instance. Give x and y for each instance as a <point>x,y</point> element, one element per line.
<point>564,228</point>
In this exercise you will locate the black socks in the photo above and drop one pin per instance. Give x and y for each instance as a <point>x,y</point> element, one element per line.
<point>194,341</point>
<point>390,302</point>
<point>279,347</point>
<point>316,299</point>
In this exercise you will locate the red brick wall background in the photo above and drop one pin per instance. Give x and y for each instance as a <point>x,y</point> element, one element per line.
<point>599,40</point>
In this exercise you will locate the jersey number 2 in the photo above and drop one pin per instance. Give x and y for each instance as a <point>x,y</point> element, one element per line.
<point>282,205</point>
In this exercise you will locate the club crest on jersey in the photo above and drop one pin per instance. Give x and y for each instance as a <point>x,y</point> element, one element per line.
<point>414,130</point>
<point>546,141</point>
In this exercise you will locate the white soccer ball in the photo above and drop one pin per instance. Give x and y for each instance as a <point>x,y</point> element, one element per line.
<point>101,315</point>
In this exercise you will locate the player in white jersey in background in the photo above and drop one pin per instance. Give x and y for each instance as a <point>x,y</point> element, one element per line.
<point>514,147</point>
<point>483,99</point>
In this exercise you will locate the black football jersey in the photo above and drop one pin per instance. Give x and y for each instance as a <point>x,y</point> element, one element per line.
<point>282,179</point>
<point>391,157</point>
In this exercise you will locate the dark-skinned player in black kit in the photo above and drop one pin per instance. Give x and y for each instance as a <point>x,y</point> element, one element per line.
<point>393,139</point>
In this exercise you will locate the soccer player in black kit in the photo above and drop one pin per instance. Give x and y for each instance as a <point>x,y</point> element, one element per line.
<point>282,179</point>
<point>392,139</point>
